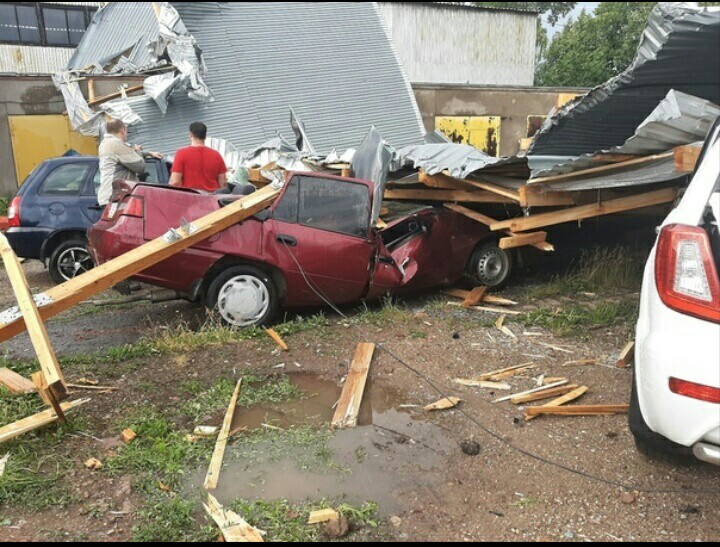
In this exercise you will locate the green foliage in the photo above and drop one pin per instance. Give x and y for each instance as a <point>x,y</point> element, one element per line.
<point>594,48</point>
<point>577,320</point>
<point>4,203</point>
<point>171,520</point>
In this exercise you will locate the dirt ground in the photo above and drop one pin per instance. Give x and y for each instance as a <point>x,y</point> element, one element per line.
<point>551,479</point>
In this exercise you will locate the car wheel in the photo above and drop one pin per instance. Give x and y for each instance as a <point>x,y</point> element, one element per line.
<point>649,443</point>
<point>243,296</point>
<point>70,259</point>
<point>490,266</point>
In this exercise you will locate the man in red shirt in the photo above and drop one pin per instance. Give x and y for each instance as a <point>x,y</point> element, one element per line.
<point>198,166</point>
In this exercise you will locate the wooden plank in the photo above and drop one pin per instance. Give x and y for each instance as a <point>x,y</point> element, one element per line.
<point>444,404</point>
<point>255,176</point>
<point>627,356</point>
<point>488,298</point>
<point>15,383</point>
<point>32,423</point>
<point>47,396</point>
<point>532,391</point>
<point>441,182</point>
<point>499,386</point>
<point>599,410</point>
<point>475,297</point>
<point>603,169</point>
<point>322,516</point>
<point>543,395</point>
<point>233,527</point>
<point>36,328</point>
<point>116,95</point>
<point>67,295</point>
<point>487,221</point>
<point>562,401</point>
<point>686,158</point>
<point>511,373</point>
<point>585,212</point>
<point>488,309</point>
<point>348,408</point>
<point>511,195</point>
<point>277,339</point>
<point>497,373</point>
<point>537,196</point>
<point>213,474</point>
<point>445,196</point>
<point>524,240</point>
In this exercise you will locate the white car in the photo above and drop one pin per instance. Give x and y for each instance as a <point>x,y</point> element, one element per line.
<point>675,407</point>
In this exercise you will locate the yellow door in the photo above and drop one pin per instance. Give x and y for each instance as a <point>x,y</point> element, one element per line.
<point>482,132</point>
<point>38,138</point>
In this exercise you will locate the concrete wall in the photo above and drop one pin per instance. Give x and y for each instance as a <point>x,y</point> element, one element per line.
<point>33,96</point>
<point>513,104</point>
<point>462,45</point>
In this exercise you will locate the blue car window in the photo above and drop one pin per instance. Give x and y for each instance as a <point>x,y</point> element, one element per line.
<point>66,180</point>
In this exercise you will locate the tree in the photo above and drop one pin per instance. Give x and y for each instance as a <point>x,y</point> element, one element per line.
<point>594,48</point>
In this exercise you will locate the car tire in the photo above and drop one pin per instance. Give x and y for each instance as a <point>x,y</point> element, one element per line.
<point>70,259</point>
<point>243,296</point>
<point>650,444</point>
<point>490,266</point>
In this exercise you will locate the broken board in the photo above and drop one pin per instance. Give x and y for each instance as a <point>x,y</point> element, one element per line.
<point>213,474</point>
<point>15,383</point>
<point>32,423</point>
<point>348,408</point>
<point>565,399</point>
<point>233,527</point>
<point>603,410</point>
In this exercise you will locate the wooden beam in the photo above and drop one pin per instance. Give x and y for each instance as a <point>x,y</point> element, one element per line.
<point>523,240</point>
<point>213,473</point>
<point>512,195</point>
<point>562,401</point>
<point>489,375</point>
<point>536,196</point>
<point>627,356</point>
<point>233,527</point>
<point>67,295</point>
<point>585,212</point>
<point>442,182</point>
<point>91,89</point>
<point>487,221</point>
<point>36,328</point>
<point>15,383</point>
<point>543,395</point>
<point>47,396</point>
<point>116,95</point>
<point>600,410</point>
<point>32,423</point>
<point>686,158</point>
<point>445,196</point>
<point>602,170</point>
<point>348,408</point>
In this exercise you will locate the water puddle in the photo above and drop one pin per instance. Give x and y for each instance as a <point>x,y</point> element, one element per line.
<point>287,451</point>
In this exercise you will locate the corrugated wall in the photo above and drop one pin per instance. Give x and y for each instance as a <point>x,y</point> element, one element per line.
<point>30,60</point>
<point>457,45</point>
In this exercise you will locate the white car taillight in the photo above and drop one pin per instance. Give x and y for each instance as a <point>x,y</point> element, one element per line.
<point>686,275</point>
<point>14,212</point>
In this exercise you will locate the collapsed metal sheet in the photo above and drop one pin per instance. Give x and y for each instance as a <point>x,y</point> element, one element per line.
<point>680,50</point>
<point>82,118</point>
<point>679,120</point>
<point>373,161</point>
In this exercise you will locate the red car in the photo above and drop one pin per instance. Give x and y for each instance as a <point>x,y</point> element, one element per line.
<point>315,246</point>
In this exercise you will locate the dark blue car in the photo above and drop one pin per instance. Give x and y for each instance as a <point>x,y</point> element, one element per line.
<point>55,206</point>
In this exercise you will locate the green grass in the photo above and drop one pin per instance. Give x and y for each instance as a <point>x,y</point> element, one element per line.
<point>389,310</point>
<point>285,522</point>
<point>4,203</point>
<point>255,391</point>
<point>600,271</point>
<point>579,319</point>
<point>172,520</point>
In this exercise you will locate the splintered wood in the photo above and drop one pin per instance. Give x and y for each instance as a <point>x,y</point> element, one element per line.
<point>475,297</point>
<point>627,356</point>
<point>445,404</point>
<point>32,423</point>
<point>14,383</point>
<point>599,410</point>
<point>500,324</point>
<point>566,399</point>
<point>325,515</point>
<point>213,474</point>
<point>348,408</point>
<point>276,338</point>
<point>232,526</point>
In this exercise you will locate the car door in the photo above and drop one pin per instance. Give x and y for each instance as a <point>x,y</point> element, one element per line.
<point>59,200</point>
<point>319,236</point>
<point>88,200</point>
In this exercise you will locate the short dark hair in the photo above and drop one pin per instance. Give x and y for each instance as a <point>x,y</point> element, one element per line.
<point>115,126</point>
<point>198,130</point>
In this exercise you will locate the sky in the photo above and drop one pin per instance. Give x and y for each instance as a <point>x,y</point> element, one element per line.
<point>587,6</point>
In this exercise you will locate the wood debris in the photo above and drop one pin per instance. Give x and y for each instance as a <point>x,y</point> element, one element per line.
<point>99,389</point>
<point>233,527</point>
<point>531,392</point>
<point>474,297</point>
<point>206,431</point>
<point>484,385</point>
<point>445,404</point>
<point>128,436</point>
<point>568,398</point>
<point>556,348</point>
<point>522,369</point>
<point>500,324</point>
<point>627,356</point>
<point>542,395</point>
<point>498,373</point>
<point>15,383</point>
<point>348,408</point>
<point>598,410</point>
<point>87,382</point>
<point>213,474</point>
<point>587,362</point>
<point>278,340</point>
<point>322,516</point>
<point>3,463</point>
<point>93,464</point>
<point>488,309</point>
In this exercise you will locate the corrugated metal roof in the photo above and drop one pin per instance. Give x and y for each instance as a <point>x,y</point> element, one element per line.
<point>32,60</point>
<point>331,61</point>
<point>106,39</point>
<point>473,7</point>
<point>680,50</point>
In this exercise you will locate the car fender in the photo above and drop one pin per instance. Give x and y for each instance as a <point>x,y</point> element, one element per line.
<point>58,237</point>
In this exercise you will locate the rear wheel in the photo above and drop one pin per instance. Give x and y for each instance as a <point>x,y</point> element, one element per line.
<point>490,266</point>
<point>70,259</point>
<point>243,296</point>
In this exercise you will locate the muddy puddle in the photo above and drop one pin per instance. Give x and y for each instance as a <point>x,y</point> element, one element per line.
<point>287,451</point>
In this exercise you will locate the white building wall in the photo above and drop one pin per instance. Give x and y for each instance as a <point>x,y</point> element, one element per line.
<point>454,45</point>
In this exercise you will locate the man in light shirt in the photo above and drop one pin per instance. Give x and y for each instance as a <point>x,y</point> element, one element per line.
<point>119,160</point>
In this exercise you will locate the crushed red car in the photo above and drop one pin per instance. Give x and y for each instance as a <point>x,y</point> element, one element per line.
<point>317,245</point>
